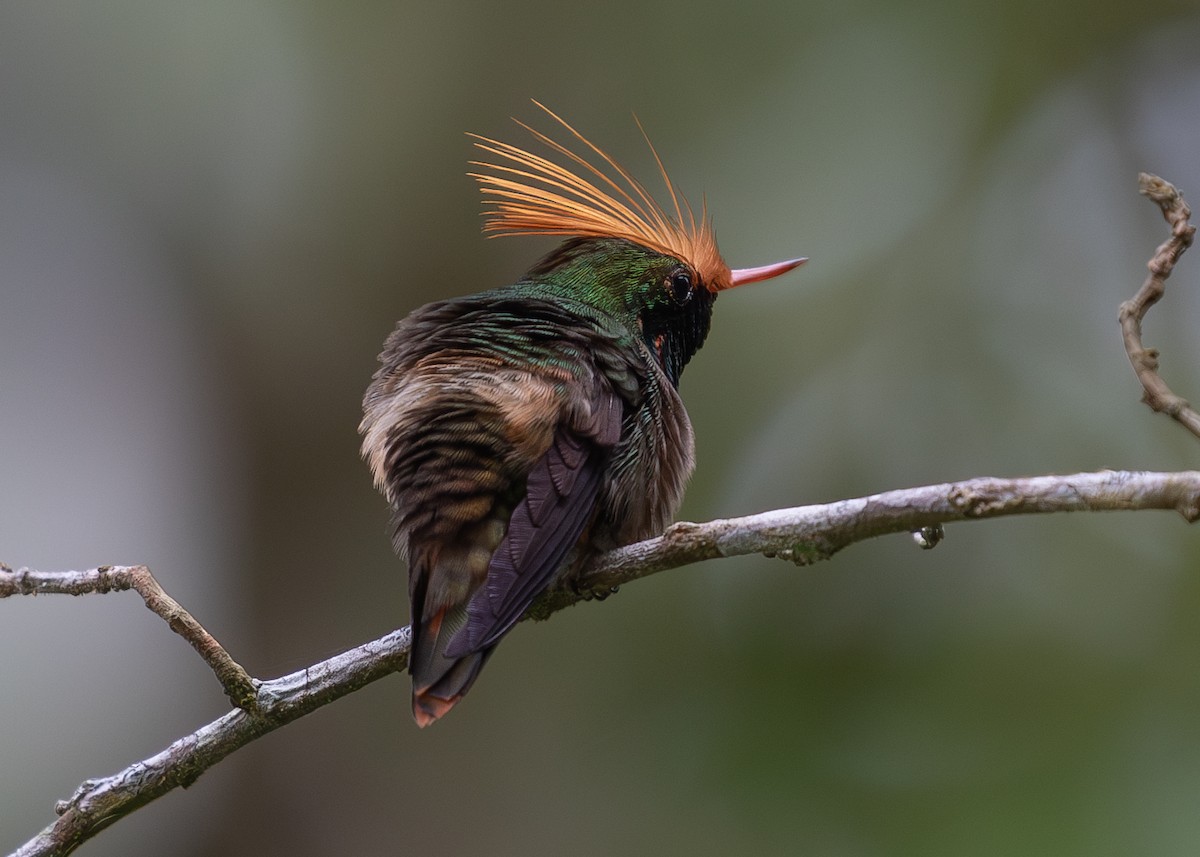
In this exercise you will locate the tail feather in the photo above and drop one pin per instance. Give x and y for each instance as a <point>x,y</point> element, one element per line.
<point>438,681</point>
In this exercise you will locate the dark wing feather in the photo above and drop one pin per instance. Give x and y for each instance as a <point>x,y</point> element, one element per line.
<point>559,502</point>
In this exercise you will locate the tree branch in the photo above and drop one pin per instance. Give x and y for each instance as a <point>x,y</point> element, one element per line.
<point>98,803</point>
<point>802,535</point>
<point>808,534</point>
<point>1156,393</point>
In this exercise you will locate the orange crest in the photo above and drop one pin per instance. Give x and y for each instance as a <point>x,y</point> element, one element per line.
<point>528,194</point>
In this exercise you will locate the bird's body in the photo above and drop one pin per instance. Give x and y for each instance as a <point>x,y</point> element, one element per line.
<point>517,432</point>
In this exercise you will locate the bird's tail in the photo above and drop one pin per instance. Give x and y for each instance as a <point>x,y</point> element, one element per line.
<point>439,681</point>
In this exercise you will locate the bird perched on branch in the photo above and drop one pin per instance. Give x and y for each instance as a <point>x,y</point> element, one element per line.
<point>520,431</point>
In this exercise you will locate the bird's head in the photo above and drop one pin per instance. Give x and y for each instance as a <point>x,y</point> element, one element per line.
<point>625,255</point>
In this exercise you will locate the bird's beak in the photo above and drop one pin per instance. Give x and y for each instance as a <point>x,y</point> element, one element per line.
<point>741,276</point>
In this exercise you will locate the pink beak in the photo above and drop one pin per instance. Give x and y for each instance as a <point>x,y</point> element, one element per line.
<point>741,276</point>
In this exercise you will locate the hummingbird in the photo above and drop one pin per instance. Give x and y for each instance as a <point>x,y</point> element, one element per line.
<point>519,432</point>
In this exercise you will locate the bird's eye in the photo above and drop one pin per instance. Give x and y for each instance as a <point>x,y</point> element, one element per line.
<point>679,285</point>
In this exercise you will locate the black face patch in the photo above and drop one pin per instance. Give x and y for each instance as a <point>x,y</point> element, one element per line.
<point>675,329</point>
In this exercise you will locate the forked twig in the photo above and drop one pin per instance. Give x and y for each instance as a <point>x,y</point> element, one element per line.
<point>238,685</point>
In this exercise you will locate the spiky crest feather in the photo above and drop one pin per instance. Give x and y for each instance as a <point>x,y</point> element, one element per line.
<point>533,195</point>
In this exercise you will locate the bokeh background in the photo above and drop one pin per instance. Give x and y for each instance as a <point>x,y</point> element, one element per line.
<point>212,214</point>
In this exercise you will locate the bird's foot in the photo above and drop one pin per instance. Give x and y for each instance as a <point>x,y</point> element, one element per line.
<point>592,593</point>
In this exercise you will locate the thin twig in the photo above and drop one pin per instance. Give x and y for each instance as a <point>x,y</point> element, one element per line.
<point>802,535</point>
<point>1156,393</point>
<point>238,685</point>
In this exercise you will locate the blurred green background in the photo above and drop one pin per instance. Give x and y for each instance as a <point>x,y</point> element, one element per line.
<point>212,214</point>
